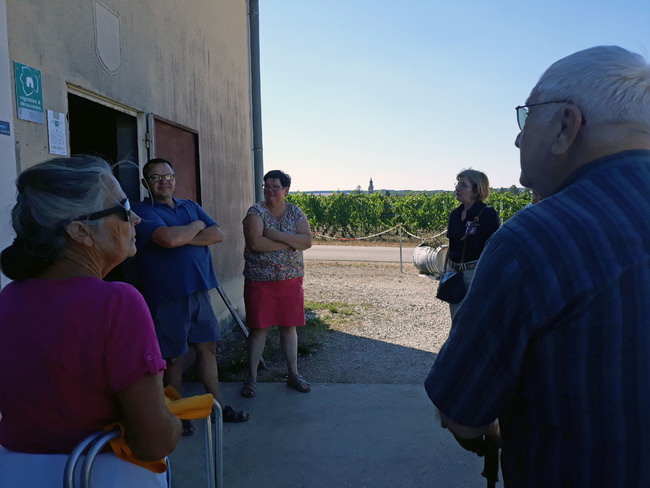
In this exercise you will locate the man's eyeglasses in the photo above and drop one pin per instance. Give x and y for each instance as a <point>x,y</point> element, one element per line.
<point>159,178</point>
<point>522,111</point>
<point>124,209</point>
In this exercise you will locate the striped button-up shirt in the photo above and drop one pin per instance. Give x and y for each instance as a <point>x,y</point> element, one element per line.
<point>553,337</point>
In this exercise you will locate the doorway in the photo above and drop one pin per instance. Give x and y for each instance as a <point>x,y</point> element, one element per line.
<point>98,130</point>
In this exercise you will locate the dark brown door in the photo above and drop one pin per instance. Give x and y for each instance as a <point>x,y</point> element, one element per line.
<point>179,145</point>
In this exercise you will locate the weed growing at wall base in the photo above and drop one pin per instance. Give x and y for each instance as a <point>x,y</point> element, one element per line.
<point>320,318</point>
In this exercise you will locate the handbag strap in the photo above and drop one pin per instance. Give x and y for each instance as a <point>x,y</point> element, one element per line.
<point>462,259</point>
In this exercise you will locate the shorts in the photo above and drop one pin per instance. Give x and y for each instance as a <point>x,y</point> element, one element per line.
<point>184,321</point>
<point>270,303</point>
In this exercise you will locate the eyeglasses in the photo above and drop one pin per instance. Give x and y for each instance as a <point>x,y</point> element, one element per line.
<point>461,186</point>
<point>522,111</point>
<point>159,178</point>
<point>124,209</point>
<point>273,188</point>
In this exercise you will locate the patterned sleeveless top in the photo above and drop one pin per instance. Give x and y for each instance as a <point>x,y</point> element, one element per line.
<point>284,264</point>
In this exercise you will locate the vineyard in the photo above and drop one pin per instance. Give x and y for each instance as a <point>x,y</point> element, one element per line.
<point>358,214</point>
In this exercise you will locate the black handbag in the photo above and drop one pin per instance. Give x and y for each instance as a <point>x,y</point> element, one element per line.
<point>452,287</point>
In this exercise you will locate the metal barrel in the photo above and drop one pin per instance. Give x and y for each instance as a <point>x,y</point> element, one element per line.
<point>429,260</point>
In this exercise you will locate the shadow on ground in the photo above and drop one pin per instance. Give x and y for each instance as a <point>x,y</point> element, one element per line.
<point>334,357</point>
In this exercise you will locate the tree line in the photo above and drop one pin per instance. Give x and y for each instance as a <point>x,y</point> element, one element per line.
<point>357,214</point>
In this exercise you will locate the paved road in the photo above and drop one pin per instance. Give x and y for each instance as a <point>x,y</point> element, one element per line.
<point>360,253</point>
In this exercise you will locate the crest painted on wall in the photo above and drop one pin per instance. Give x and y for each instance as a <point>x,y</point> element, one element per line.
<point>107,38</point>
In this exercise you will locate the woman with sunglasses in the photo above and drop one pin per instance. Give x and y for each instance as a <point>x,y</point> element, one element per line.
<point>76,352</point>
<point>470,226</point>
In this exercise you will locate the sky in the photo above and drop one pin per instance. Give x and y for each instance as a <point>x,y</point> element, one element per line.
<point>410,92</point>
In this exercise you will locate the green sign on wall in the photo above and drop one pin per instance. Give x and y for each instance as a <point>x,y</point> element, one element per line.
<point>29,93</point>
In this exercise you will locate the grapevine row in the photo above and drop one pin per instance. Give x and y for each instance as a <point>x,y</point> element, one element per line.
<point>353,215</point>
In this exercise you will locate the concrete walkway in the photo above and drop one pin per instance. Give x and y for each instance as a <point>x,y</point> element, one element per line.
<point>337,436</point>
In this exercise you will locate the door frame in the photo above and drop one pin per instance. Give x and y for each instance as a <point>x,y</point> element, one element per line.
<point>140,118</point>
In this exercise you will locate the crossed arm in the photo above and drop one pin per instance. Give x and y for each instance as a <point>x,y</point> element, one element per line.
<point>260,240</point>
<point>193,234</point>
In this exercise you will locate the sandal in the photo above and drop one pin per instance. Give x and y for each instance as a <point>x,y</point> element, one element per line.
<point>298,383</point>
<point>188,428</point>
<point>230,415</point>
<point>249,389</point>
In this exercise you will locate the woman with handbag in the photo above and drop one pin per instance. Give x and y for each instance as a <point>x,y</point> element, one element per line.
<point>470,226</point>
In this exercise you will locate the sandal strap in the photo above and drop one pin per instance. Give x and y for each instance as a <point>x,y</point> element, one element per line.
<point>298,382</point>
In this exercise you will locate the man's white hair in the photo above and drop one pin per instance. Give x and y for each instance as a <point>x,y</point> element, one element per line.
<point>608,83</point>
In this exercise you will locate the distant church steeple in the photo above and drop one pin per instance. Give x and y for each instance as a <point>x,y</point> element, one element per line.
<point>371,188</point>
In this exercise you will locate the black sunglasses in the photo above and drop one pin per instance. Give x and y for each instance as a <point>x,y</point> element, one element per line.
<point>124,209</point>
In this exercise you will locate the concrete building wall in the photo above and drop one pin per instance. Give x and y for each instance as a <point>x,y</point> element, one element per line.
<point>7,153</point>
<point>185,61</point>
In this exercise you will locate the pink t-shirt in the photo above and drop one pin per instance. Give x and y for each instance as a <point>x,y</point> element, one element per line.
<point>66,348</point>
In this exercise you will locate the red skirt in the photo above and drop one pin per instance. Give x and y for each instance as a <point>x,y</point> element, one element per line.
<point>270,303</point>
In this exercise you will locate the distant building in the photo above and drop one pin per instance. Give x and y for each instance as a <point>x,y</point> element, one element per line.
<point>371,187</point>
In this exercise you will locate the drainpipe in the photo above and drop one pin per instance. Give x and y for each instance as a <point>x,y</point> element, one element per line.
<point>256,98</point>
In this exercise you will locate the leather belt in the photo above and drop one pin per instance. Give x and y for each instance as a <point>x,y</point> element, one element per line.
<point>462,266</point>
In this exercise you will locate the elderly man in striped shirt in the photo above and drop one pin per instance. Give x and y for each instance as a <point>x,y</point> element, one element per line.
<point>552,342</point>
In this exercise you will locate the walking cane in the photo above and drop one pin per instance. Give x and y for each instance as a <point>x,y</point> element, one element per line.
<point>237,317</point>
<point>491,462</point>
<point>485,447</point>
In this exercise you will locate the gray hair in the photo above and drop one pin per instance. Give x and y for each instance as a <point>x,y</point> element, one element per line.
<point>608,83</point>
<point>50,195</point>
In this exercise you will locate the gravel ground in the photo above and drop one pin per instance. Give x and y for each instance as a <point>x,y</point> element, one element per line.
<point>389,333</point>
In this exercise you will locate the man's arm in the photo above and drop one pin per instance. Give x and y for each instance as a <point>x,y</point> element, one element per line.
<point>178,235</point>
<point>209,235</point>
<point>464,431</point>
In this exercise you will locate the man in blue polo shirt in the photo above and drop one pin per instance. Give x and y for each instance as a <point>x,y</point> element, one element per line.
<point>553,337</point>
<point>176,272</point>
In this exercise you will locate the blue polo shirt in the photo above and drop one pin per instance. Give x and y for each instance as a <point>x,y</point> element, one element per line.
<point>167,274</point>
<point>553,337</point>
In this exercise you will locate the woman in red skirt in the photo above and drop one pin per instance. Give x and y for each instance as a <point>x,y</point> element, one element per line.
<point>276,233</point>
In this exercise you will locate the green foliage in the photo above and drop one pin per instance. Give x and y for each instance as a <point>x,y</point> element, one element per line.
<point>360,214</point>
<point>508,202</point>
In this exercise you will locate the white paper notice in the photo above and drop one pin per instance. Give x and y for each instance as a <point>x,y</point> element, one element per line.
<point>56,133</point>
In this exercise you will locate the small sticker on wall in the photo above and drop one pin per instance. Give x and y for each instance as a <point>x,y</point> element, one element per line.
<point>5,128</point>
<point>56,133</point>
